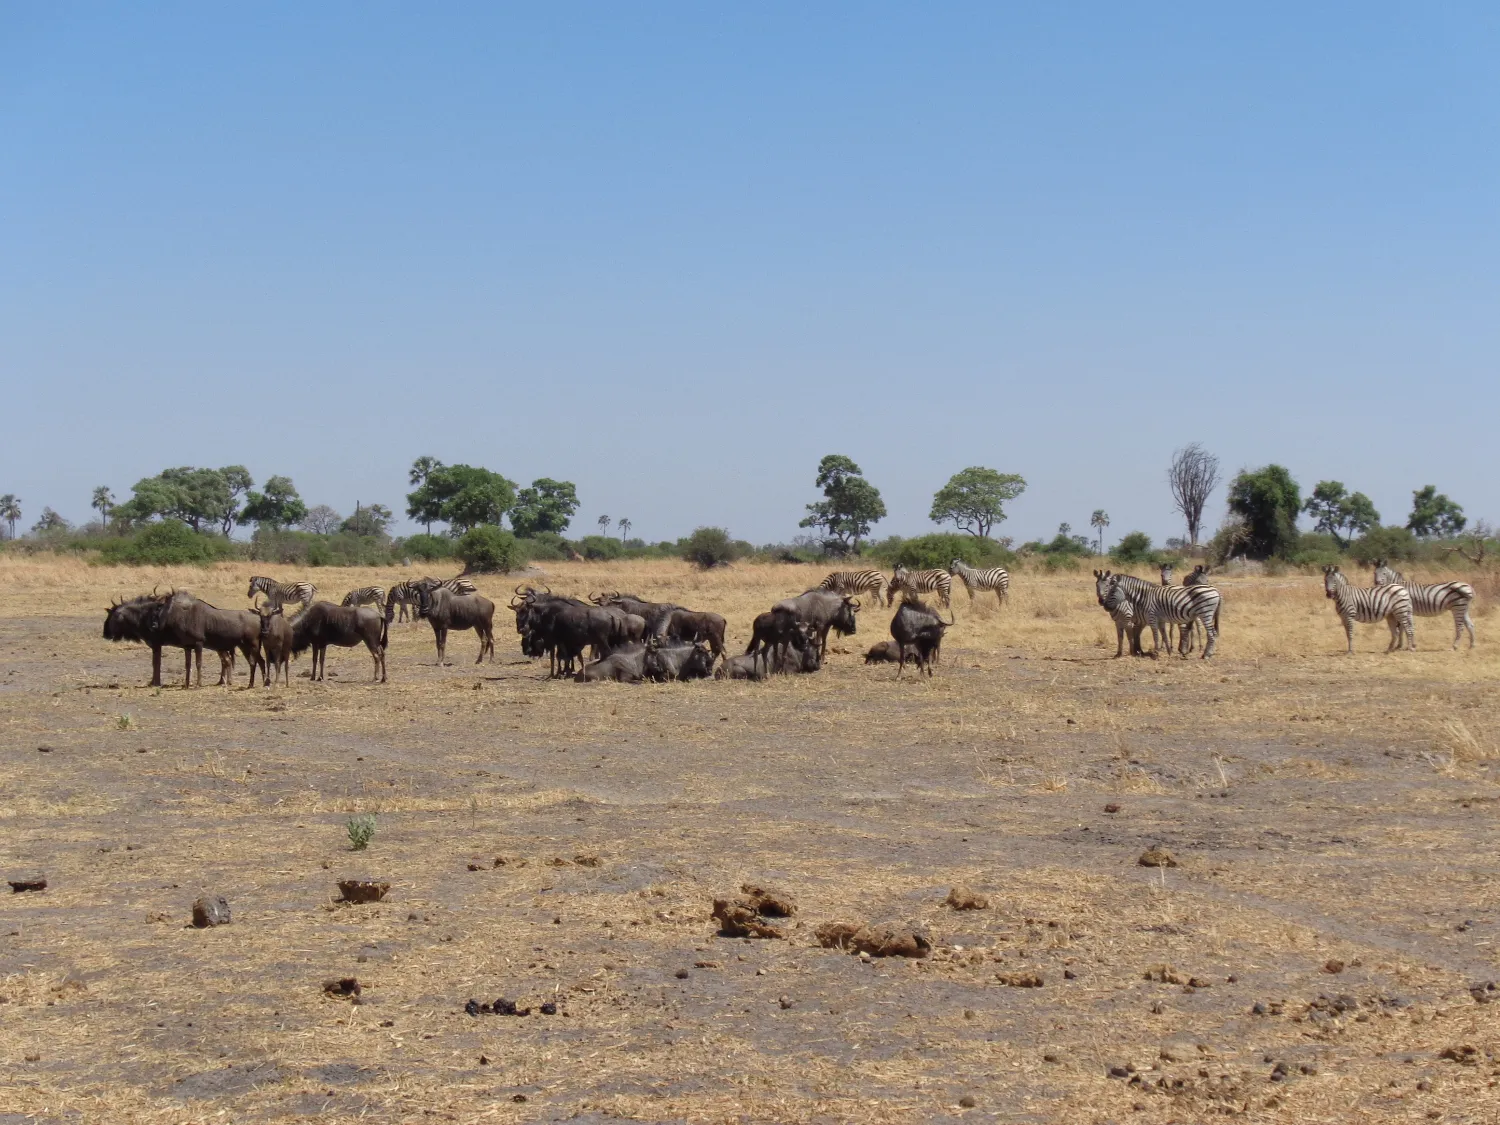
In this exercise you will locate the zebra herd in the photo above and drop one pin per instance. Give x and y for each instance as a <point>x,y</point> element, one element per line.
<point>874,584</point>
<point>407,594</point>
<point>1396,601</point>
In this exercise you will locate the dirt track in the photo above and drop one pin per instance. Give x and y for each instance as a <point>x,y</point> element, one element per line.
<point>1324,810</point>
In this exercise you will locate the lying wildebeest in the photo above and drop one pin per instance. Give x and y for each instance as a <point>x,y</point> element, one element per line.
<point>666,661</point>
<point>653,612</point>
<point>275,650</point>
<point>690,625</point>
<point>884,652</point>
<point>323,623</point>
<point>751,666</point>
<point>624,666</point>
<point>821,611</point>
<point>446,610</point>
<point>918,630</point>
<point>809,659</point>
<point>183,620</point>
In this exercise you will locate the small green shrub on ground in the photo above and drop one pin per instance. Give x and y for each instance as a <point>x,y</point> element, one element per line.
<point>361,830</point>
<point>936,551</point>
<point>597,548</point>
<point>488,549</point>
<point>1134,549</point>
<point>709,547</point>
<point>544,546</point>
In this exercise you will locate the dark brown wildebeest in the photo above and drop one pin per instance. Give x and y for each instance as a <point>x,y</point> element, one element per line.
<point>653,612</point>
<point>822,611</point>
<point>751,666</point>
<point>918,632</point>
<point>445,610</point>
<point>323,623</point>
<point>690,625</point>
<point>131,620</point>
<point>666,661</point>
<point>275,645</point>
<point>774,632</point>
<point>185,621</point>
<point>884,652</point>
<point>809,659</point>
<point>624,666</point>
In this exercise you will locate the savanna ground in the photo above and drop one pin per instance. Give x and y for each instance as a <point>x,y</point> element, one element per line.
<point>1325,810</point>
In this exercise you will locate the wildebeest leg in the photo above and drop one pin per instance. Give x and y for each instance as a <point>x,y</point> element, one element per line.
<point>156,665</point>
<point>187,660</point>
<point>440,635</point>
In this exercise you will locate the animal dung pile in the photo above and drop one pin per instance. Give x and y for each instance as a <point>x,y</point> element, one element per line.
<point>738,917</point>
<point>504,1007</point>
<point>962,898</point>
<point>341,988</point>
<point>24,883</point>
<point>211,910</point>
<point>362,890</point>
<point>769,902</point>
<point>1157,856</point>
<point>881,940</point>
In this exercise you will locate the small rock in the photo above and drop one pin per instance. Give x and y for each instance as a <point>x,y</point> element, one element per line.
<point>1118,1072</point>
<point>681,974</point>
<point>210,911</point>
<point>1333,966</point>
<point>968,1013</point>
<point>549,1009</point>
<point>363,890</point>
<point>1258,1009</point>
<point>484,1060</point>
<point>967,1101</point>
<point>1069,974</point>
<point>962,898</point>
<point>28,883</point>
<point>769,902</point>
<point>1052,1057</point>
<point>785,1002</point>
<point>1111,808</point>
<point>1156,856</point>
<point>343,987</point>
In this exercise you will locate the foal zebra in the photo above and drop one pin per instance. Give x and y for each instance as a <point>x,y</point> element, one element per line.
<point>366,595</point>
<point>279,593</point>
<point>1390,603</point>
<point>855,583</point>
<point>916,582</point>
<point>1160,606</point>
<point>1434,599</point>
<point>997,578</point>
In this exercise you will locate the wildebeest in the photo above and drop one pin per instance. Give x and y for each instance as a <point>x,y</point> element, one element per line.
<point>653,612</point>
<point>625,666</point>
<point>275,645</point>
<point>323,623</point>
<point>808,659</point>
<point>690,625</point>
<point>182,620</point>
<point>751,666</point>
<point>918,632</point>
<point>883,652</point>
<point>132,620</point>
<point>561,628</point>
<point>666,661</point>
<point>821,611</point>
<point>775,632</point>
<point>445,610</point>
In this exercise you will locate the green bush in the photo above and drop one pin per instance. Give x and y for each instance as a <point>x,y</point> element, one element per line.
<point>709,547</point>
<point>1133,548</point>
<point>428,548</point>
<point>545,546</point>
<point>598,548</point>
<point>488,549</point>
<point>342,548</point>
<point>936,551</point>
<point>168,543</point>
<point>1394,543</point>
<point>1317,549</point>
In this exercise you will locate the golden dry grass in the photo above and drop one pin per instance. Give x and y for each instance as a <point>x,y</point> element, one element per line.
<point>1323,808</point>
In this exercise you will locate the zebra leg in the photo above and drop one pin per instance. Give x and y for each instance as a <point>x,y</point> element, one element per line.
<point>1211,638</point>
<point>1349,635</point>
<point>1395,626</point>
<point>1469,625</point>
<point>1119,640</point>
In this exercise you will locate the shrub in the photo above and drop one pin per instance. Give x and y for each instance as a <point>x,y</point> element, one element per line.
<point>1395,543</point>
<point>361,830</point>
<point>428,548</point>
<point>936,551</point>
<point>709,547</point>
<point>488,549</point>
<point>1317,549</point>
<point>1134,547</point>
<point>544,545</point>
<point>168,543</point>
<point>343,548</point>
<point>598,548</point>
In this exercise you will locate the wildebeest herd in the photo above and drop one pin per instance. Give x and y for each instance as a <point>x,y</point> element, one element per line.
<point>629,639</point>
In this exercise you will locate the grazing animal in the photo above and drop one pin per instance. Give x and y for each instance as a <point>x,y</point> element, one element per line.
<point>323,623</point>
<point>194,625</point>
<point>1390,603</point>
<point>822,611</point>
<point>807,659</point>
<point>1163,605</point>
<point>772,631</point>
<point>996,578</point>
<point>666,661</point>
<point>1435,599</point>
<point>274,646</point>
<point>752,666</point>
<point>445,610</point>
<point>624,666</point>
<point>884,652</point>
<point>1197,577</point>
<point>689,625</point>
<point>452,585</point>
<point>279,593</point>
<point>134,620</point>
<point>405,595</point>
<point>366,595</point>
<point>1126,622</point>
<point>916,582</point>
<point>918,632</point>
<point>857,583</point>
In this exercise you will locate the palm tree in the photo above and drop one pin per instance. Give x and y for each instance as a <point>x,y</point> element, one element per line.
<point>603,522</point>
<point>1100,520</point>
<point>10,510</point>
<point>623,523</point>
<point>103,501</point>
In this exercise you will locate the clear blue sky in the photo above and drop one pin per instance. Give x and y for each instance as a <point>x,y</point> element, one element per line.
<point>675,253</point>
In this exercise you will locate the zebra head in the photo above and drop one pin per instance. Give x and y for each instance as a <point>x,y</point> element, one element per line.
<point>1333,579</point>
<point>1166,574</point>
<point>1114,598</point>
<point>1101,584</point>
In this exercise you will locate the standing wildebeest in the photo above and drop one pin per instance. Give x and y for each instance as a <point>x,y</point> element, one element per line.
<point>445,610</point>
<point>323,623</point>
<point>275,645</point>
<point>134,620</point>
<point>653,612</point>
<point>183,620</point>
<point>689,625</point>
<point>920,630</point>
<point>774,632</point>
<point>666,661</point>
<point>561,628</point>
<point>822,611</point>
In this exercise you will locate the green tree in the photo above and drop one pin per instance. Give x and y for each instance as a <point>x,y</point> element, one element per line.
<point>421,469</point>
<point>1337,510</point>
<point>623,523</point>
<point>1133,547</point>
<point>462,496</point>
<point>1434,516</point>
<point>709,547</point>
<point>102,502</point>
<point>850,506</point>
<point>974,500</point>
<point>276,507</point>
<point>194,496</point>
<point>368,520</point>
<point>50,521</point>
<point>1267,500</point>
<point>1099,521</point>
<point>487,549</point>
<point>10,510</point>
<point>548,505</point>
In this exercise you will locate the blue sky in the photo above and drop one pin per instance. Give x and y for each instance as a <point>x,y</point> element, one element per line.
<point>676,253</point>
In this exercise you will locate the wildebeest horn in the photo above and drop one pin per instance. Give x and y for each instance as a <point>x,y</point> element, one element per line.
<point>518,587</point>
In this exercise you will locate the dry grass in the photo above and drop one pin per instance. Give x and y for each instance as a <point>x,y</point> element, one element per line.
<point>1288,779</point>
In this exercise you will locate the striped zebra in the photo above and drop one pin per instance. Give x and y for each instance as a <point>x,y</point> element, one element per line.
<point>279,593</point>
<point>996,578</point>
<point>856,583</point>
<point>1390,603</point>
<point>1159,606</point>
<point>452,585</point>
<point>366,595</point>
<point>405,595</point>
<point>1123,615</point>
<point>1434,599</point>
<point>916,582</point>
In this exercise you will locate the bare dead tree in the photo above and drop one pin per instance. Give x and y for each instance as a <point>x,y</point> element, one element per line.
<point>1478,539</point>
<point>1193,475</point>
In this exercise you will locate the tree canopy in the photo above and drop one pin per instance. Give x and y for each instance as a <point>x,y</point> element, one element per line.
<point>850,506</point>
<point>974,500</point>
<point>368,519</point>
<point>1340,513</point>
<point>548,505</point>
<point>194,496</point>
<point>1434,516</point>
<point>278,505</point>
<point>462,496</point>
<point>1267,500</point>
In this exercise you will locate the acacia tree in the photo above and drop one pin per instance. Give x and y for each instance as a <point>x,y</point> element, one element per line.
<point>278,505</point>
<point>974,500</point>
<point>1434,516</point>
<point>1099,521</point>
<point>421,469</point>
<point>1335,508</point>
<point>463,496</point>
<point>194,496</point>
<point>1192,476</point>
<point>850,504</point>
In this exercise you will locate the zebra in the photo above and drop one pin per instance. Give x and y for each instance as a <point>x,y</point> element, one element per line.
<point>1123,614</point>
<point>1434,600</point>
<point>1159,606</point>
<point>452,585</point>
<point>996,578</point>
<point>404,594</point>
<point>1197,577</point>
<point>856,582</point>
<point>279,593</point>
<point>916,582</point>
<point>1390,603</point>
<point>366,595</point>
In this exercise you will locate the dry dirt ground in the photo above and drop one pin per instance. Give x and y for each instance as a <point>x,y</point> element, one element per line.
<point>1313,957</point>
